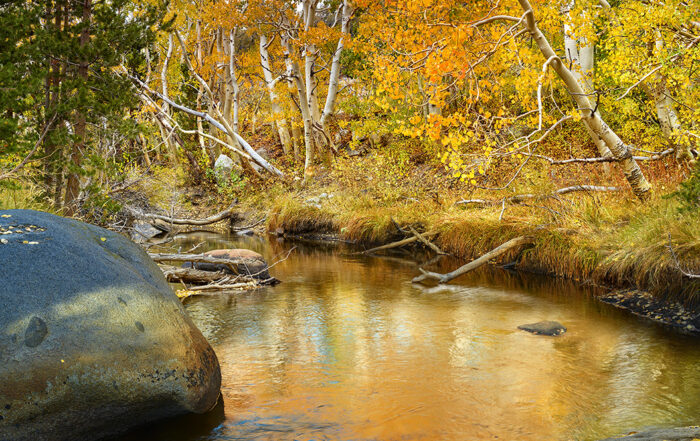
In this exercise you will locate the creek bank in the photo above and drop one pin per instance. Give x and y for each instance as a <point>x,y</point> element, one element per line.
<point>645,305</point>
<point>676,434</point>
<point>92,338</point>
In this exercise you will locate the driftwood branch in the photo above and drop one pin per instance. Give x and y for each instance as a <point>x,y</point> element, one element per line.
<point>523,197</point>
<point>425,241</point>
<point>190,275</point>
<point>183,221</point>
<point>200,258</point>
<point>397,244</point>
<point>502,249</point>
<point>248,227</point>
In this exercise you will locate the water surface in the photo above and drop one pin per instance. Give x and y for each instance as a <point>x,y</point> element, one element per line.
<point>346,348</point>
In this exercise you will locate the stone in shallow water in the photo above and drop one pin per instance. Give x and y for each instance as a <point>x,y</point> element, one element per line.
<point>92,339</point>
<point>676,434</point>
<point>544,328</point>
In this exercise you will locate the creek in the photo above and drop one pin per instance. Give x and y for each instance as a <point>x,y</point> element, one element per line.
<point>346,348</point>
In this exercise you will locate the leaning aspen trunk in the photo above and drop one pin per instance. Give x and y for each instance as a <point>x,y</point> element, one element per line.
<point>633,174</point>
<point>280,123</point>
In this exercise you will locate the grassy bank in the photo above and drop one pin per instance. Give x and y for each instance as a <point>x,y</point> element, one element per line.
<point>608,239</point>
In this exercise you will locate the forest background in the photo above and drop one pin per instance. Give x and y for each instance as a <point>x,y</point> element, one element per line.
<point>572,122</point>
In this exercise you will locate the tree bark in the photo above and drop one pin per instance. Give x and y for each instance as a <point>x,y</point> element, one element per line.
<point>73,183</point>
<point>279,122</point>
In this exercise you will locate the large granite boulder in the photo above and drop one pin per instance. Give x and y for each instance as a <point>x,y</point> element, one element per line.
<point>92,339</point>
<point>245,262</point>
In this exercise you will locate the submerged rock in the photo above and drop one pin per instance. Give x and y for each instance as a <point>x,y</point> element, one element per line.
<point>92,339</point>
<point>676,434</point>
<point>544,328</point>
<point>247,263</point>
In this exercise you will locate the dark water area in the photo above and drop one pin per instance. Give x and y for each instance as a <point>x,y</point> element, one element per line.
<point>346,348</point>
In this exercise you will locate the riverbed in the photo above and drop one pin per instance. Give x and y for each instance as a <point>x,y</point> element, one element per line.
<point>346,348</point>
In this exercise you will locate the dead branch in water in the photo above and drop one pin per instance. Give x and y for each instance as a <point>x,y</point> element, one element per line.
<point>199,258</point>
<point>183,221</point>
<point>522,197</point>
<point>253,225</point>
<point>396,244</point>
<point>425,241</point>
<point>191,275</point>
<point>502,249</point>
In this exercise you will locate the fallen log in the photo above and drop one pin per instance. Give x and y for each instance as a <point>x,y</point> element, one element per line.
<point>502,249</point>
<point>183,221</point>
<point>230,263</point>
<point>396,244</point>
<point>191,275</point>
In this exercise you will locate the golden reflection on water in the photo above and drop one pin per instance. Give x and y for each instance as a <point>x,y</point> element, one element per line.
<point>346,348</point>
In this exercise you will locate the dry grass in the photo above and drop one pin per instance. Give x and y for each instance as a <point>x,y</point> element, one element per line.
<point>609,239</point>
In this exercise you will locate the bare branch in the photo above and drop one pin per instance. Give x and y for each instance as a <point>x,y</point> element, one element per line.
<point>31,153</point>
<point>522,197</point>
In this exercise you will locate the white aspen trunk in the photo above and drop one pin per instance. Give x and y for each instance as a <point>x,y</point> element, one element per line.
<point>424,97</point>
<point>665,108</point>
<point>279,122</point>
<point>334,78</point>
<point>433,109</point>
<point>164,70</point>
<point>310,55</point>
<point>200,91</point>
<point>296,136</point>
<point>234,79</point>
<point>295,75</point>
<point>291,86</point>
<point>580,56</point>
<point>619,149</point>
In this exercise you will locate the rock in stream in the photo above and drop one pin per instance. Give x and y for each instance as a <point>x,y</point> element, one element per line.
<point>544,328</point>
